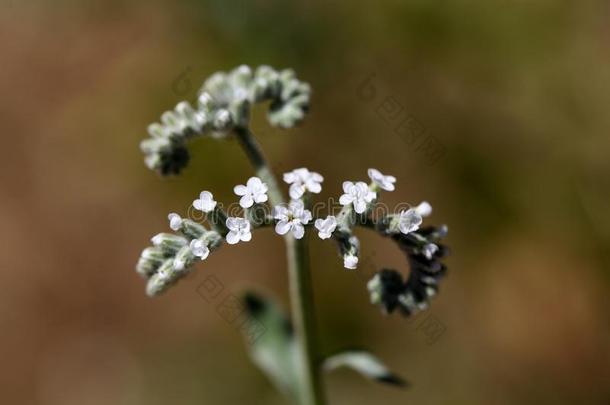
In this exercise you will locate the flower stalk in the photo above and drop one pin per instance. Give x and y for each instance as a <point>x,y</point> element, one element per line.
<point>299,275</point>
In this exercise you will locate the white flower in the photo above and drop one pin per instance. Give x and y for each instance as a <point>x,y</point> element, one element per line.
<point>255,191</point>
<point>239,229</point>
<point>424,209</point>
<point>350,261</point>
<point>429,250</point>
<point>199,249</point>
<point>292,218</point>
<point>302,180</point>
<point>326,226</point>
<point>205,202</point>
<point>409,221</point>
<point>384,182</point>
<point>175,221</point>
<point>358,194</point>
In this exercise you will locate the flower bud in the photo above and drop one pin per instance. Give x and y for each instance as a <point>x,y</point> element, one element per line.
<point>184,259</point>
<point>168,243</point>
<point>150,259</point>
<point>192,229</point>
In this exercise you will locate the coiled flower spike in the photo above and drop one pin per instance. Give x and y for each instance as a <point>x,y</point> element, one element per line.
<point>224,102</point>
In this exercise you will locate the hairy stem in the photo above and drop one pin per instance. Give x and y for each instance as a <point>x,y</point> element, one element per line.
<point>301,294</point>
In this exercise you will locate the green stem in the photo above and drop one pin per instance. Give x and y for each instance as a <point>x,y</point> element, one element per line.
<point>301,294</point>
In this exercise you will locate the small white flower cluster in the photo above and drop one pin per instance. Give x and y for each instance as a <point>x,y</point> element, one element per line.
<point>223,103</point>
<point>359,197</point>
<point>173,255</point>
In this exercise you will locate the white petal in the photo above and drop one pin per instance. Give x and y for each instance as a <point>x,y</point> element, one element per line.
<point>317,177</point>
<point>296,190</point>
<point>232,223</point>
<point>298,231</point>
<point>240,189</point>
<point>324,235</point>
<point>314,187</point>
<point>359,206</point>
<point>424,209</point>
<point>246,236</point>
<point>348,187</point>
<point>280,212</point>
<point>232,238</point>
<point>246,201</point>
<point>305,217</point>
<point>374,174</point>
<point>319,224</point>
<point>205,253</point>
<point>282,227</point>
<point>346,199</point>
<point>387,186</point>
<point>262,188</point>
<point>208,206</point>
<point>260,198</point>
<point>254,183</point>
<point>197,204</point>
<point>290,177</point>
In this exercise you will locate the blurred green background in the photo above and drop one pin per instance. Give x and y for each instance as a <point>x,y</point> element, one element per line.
<point>515,93</point>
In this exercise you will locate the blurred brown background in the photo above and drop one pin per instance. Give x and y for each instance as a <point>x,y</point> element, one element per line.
<point>514,92</point>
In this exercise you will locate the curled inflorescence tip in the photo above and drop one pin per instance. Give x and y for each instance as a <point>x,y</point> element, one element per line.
<point>224,102</point>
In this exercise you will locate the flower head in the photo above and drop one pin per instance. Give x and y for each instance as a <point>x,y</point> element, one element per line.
<point>239,230</point>
<point>292,218</point>
<point>382,181</point>
<point>350,261</point>
<point>302,180</point>
<point>326,226</point>
<point>409,221</point>
<point>255,191</point>
<point>175,221</point>
<point>357,194</point>
<point>205,202</point>
<point>199,248</point>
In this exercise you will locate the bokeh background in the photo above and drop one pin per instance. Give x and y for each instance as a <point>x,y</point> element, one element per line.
<point>513,93</point>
